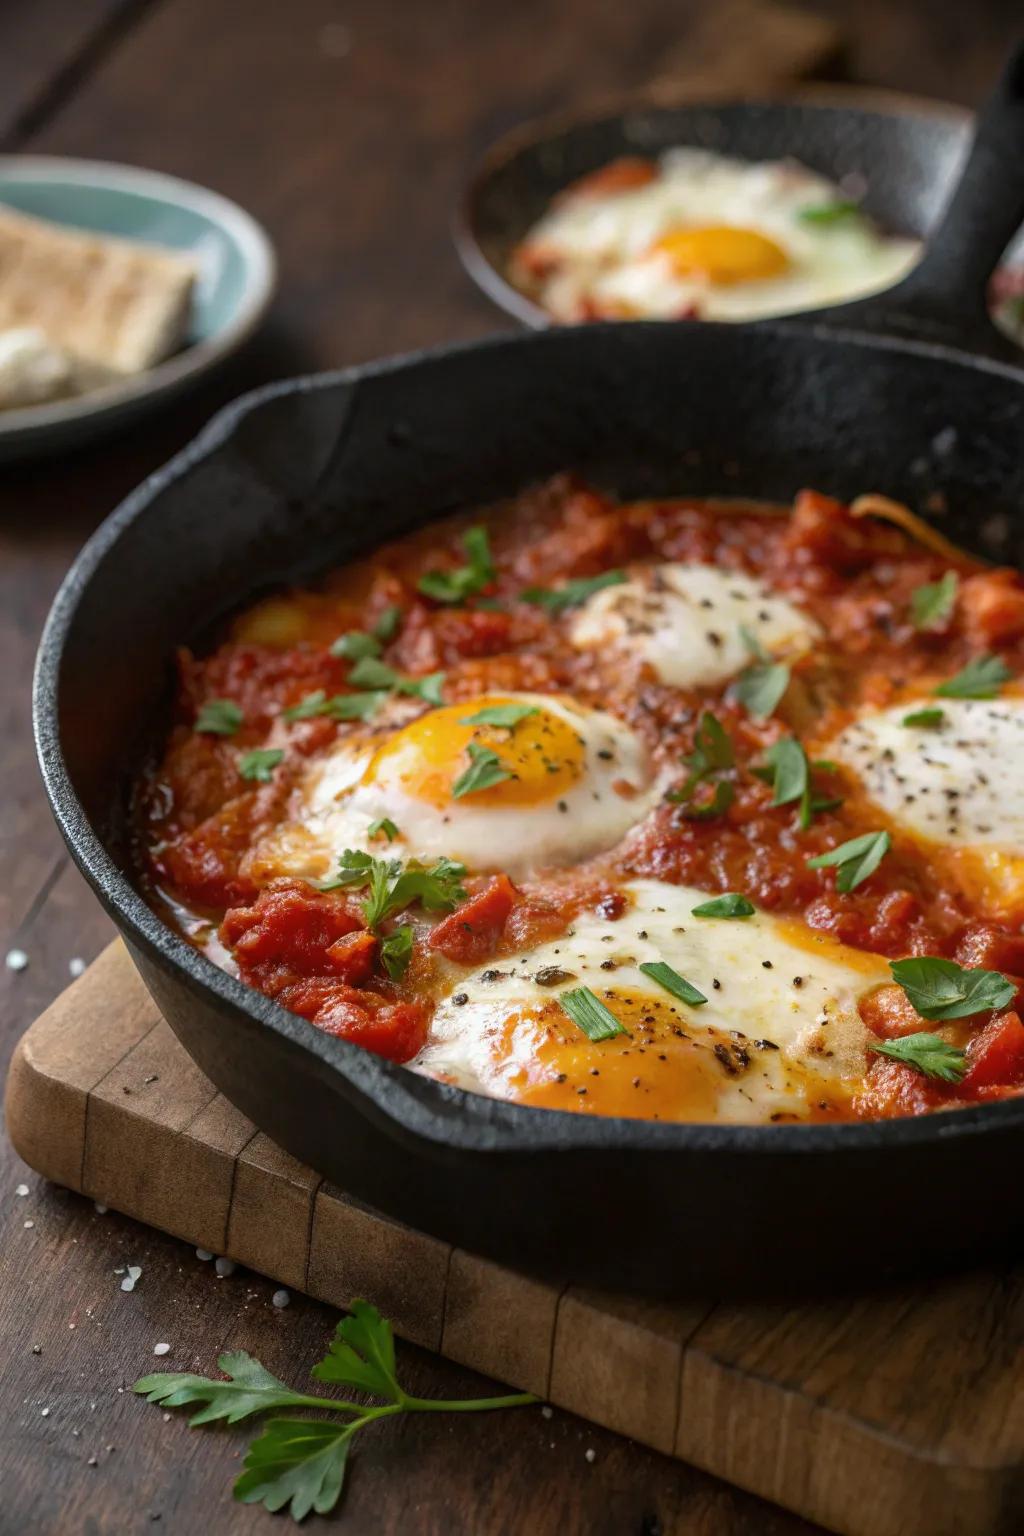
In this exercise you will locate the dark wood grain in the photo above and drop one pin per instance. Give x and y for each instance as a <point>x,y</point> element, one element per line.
<point>347,130</point>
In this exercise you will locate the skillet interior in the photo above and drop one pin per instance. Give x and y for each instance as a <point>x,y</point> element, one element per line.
<point>310,473</point>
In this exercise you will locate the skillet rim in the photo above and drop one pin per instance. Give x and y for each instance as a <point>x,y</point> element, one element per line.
<point>446,1117</point>
<point>825,96</point>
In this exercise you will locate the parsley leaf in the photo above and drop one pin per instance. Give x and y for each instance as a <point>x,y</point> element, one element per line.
<point>729,905</point>
<point>941,989</point>
<point>759,687</point>
<point>455,586</point>
<point>219,717</point>
<point>355,644</point>
<point>393,886</point>
<point>557,599</point>
<point>925,719</point>
<point>396,952</point>
<point>590,1015</point>
<point>713,753</point>
<point>789,772</point>
<point>299,1464</point>
<point>671,980</point>
<point>382,827</point>
<point>388,620</point>
<point>855,860</point>
<point>506,715</point>
<point>340,706</point>
<point>982,678</point>
<point>932,605</point>
<point>835,212</point>
<point>259,764</point>
<point>485,770</point>
<point>372,673</point>
<point>928,1053</point>
<point>707,810</point>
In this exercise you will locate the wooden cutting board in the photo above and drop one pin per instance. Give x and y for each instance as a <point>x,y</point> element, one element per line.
<point>897,1414</point>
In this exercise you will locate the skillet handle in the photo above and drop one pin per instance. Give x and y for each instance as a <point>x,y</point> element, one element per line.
<point>944,299</point>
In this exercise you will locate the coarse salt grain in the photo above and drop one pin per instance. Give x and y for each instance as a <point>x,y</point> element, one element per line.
<point>280,1298</point>
<point>29,1223</point>
<point>21,1191</point>
<point>128,1283</point>
<point>45,1412</point>
<point>201,1253</point>
<point>161,1349</point>
<point>590,1455</point>
<point>225,1267</point>
<point>76,966</point>
<point>100,1209</point>
<point>17,960</point>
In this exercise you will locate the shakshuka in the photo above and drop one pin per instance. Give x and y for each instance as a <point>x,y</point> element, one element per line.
<point>677,809</point>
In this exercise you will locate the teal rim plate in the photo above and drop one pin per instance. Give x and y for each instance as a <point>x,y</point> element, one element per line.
<point>237,276</point>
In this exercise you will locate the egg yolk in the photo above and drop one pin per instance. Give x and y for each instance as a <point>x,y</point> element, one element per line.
<point>723,254</point>
<point>542,754</point>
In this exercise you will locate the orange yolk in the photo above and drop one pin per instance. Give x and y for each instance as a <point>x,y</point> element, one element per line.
<point>723,254</point>
<point>543,755</point>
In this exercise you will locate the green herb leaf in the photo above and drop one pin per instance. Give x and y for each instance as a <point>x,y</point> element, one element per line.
<point>932,605</point>
<point>834,212</point>
<point>388,620</point>
<point>930,1054</point>
<point>455,586</point>
<point>249,1389</point>
<point>590,1014</point>
<point>941,989</point>
<point>790,770</point>
<point>340,706</point>
<point>362,1354</point>
<point>372,673</point>
<point>729,905</point>
<point>925,719</point>
<point>713,753</point>
<point>855,860</point>
<point>298,1463</point>
<point>396,952</point>
<point>355,645</point>
<point>707,810</point>
<point>671,980</point>
<point>383,827</point>
<point>485,769</point>
<point>982,678</point>
<point>557,599</point>
<point>393,886</point>
<point>259,764</point>
<point>219,717</point>
<point>505,715</point>
<point>759,688</point>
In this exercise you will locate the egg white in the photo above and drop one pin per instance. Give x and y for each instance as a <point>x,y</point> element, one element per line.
<point>687,623</point>
<point>780,1026</point>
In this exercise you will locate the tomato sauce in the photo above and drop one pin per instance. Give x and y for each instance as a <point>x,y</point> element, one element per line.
<point>198,815</point>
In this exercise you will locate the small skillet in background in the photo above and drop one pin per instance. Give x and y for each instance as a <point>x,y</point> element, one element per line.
<point>912,393</point>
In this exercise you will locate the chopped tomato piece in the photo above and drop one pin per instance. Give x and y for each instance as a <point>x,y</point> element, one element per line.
<point>471,632</point>
<point>533,922</point>
<point>892,1088</point>
<point>353,956</point>
<point>991,947</point>
<point>823,530</point>
<point>471,933</point>
<point>202,866</point>
<point>289,924</point>
<point>888,1014</point>
<point>622,175</point>
<point>395,1030</point>
<point>996,1056</point>
<point>993,607</point>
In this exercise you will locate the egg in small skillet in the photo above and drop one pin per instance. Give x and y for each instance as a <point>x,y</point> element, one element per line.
<point>514,782</point>
<point>707,237</point>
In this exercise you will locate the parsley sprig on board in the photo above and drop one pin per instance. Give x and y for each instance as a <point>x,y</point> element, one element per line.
<point>299,1464</point>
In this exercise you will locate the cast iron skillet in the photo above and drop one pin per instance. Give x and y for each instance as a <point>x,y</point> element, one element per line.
<point>905,152</point>
<point>313,471</point>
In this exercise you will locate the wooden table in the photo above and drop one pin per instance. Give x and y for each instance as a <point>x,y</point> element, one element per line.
<point>345,127</point>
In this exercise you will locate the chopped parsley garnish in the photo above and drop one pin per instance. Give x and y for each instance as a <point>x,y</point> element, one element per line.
<point>930,1054</point>
<point>712,754</point>
<point>590,1014</point>
<point>259,764</point>
<point>396,952</point>
<point>485,770</point>
<point>394,885</point>
<point>557,599</point>
<point>941,989</point>
<point>925,719</point>
<point>340,706</point>
<point>855,860</point>
<point>219,717</point>
<point>759,687</point>
<point>507,716</point>
<point>299,1464</point>
<point>383,827</point>
<point>835,212</point>
<point>371,673</point>
<point>982,678</point>
<point>671,980</point>
<point>789,773</point>
<point>933,604</point>
<point>354,644</point>
<point>729,905</point>
<point>388,620</point>
<point>478,572</point>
